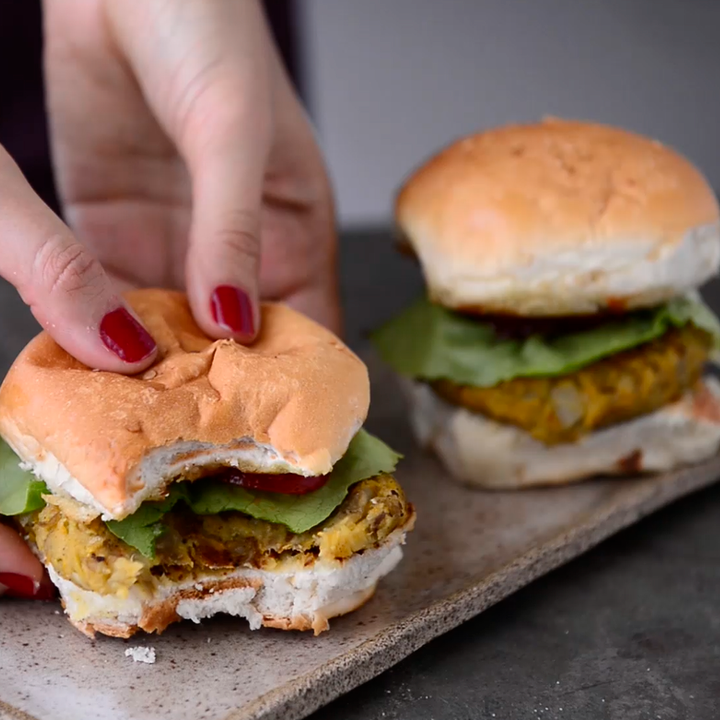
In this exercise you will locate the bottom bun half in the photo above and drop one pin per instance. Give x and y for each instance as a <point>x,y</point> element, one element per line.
<point>479,451</point>
<point>295,599</point>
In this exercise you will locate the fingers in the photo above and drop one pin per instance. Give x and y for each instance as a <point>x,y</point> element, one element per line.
<point>65,287</point>
<point>21,574</point>
<point>300,225</point>
<point>224,251</point>
<point>204,67</point>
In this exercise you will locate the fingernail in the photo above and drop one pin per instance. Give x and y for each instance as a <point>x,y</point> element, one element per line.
<point>46,591</point>
<point>122,334</point>
<point>22,586</point>
<point>232,310</point>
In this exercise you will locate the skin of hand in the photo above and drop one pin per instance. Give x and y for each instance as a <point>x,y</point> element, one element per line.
<point>183,160</point>
<point>21,574</point>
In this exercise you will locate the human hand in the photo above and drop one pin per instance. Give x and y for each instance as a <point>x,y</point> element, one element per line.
<point>21,574</point>
<point>184,160</point>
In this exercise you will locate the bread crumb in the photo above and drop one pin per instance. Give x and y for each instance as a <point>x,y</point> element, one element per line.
<point>141,654</point>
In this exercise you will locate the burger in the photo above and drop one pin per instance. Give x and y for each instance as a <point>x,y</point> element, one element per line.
<point>224,479</point>
<point>562,336</point>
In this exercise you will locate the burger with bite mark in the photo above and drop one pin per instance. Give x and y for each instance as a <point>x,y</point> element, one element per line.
<point>224,479</point>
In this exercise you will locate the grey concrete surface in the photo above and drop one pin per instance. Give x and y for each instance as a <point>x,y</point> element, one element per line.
<point>630,631</point>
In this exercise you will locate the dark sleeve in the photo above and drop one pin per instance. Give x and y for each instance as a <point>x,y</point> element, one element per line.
<point>23,128</point>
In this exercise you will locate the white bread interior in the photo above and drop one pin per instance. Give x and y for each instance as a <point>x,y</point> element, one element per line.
<point>479,451</point>
<point>289,403</point>
<point>157,468</point>
<point>559,218</point>
<point>293,598</point>
<point>635,273</point>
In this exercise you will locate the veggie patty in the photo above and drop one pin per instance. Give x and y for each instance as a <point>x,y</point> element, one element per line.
<point>93,558</point>
<point>613,390</point>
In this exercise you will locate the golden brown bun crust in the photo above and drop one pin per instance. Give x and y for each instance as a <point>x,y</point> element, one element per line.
<point>494,207</point>
<point>297,389</point>
<point>165,614</point>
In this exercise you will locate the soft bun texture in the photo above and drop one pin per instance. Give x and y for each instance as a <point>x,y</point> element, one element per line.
<point>291,402</point>
<point>481,452</point>
<point>559,218</point>
<point>295,598</point>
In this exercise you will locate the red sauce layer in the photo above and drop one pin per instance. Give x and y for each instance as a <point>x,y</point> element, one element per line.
<point>514,327</point>
<point>288,484</point>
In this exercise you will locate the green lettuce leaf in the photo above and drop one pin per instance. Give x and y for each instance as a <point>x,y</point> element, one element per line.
<point>142,529</point>
<point>20,490</point>
<point>366,457</point>
<point>429,342</point>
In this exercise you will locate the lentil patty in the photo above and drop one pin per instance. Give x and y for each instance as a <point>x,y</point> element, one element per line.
<point>93,558</point>
<point>563,409</point>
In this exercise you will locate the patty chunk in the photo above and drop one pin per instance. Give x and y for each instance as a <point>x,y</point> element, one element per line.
<point>563,409</point>
<point>93,558</point>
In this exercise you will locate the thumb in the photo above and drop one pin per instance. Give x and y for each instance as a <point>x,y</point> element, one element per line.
<point>209,83</point>
<point>65,286</point>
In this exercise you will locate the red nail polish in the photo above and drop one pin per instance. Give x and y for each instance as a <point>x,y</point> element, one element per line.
<point>46,591</point>
<point>122,334</point>
<point>232,310</point>
<point>22,586</point>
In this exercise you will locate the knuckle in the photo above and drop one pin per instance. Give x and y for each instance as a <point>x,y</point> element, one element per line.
<point>203,105</point>
<point>238,244</point>
<point>64,267</point>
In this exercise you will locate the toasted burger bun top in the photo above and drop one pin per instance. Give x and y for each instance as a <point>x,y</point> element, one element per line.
<point>291,402</point>
<point>559,218</point>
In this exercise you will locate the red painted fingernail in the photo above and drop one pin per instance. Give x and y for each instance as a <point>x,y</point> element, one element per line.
<point>122,334</point>
<point>22,586</point>
<point>232,310</point>
<point>46,591</point>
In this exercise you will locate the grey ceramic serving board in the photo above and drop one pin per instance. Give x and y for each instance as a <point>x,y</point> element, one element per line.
<point>469,550</point>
